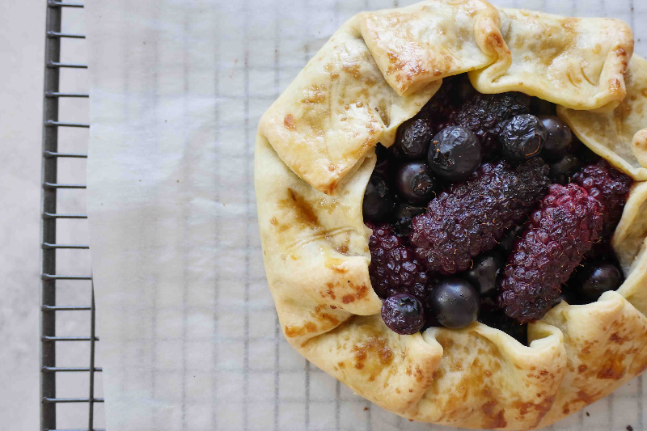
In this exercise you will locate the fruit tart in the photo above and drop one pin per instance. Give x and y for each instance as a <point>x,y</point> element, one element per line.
<point>452,204</point>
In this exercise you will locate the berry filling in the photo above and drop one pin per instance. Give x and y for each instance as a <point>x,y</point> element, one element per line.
<point>488,208</point>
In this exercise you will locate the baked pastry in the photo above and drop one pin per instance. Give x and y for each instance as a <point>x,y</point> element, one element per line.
<point>458,106</point>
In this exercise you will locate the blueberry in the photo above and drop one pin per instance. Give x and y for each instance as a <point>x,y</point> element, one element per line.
<point>403,314</point>
<point>455,153</point>
<point>378,199</point>
<point>404,212</point>
<point>562,171</point>
<point>454,302</point>
<point>560,139</point>
<point>523,137</point>
<point>594,279</point>
<point>510,238</point>
<point>413,138</point>
<point>484,272</point>
<point>415,182</point>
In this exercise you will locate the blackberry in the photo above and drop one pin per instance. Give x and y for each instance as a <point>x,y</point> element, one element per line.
<point>394,267</point>
<point>487,114</point>
<point>553,243</point>
<point>607,185</point>
<point>471,217</point>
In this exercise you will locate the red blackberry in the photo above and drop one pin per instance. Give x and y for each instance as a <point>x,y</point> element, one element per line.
<point>471,217</point>
<point>552,245</point>
<point>607,185</point>
<point>487,114</point>
<point>394,267</point>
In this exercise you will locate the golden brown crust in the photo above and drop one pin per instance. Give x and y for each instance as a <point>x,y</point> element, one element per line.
<point>578,63</point>
<point>336,110</point>
<point>419,44</point>
<point>315,244</point>
<point>610,133</point>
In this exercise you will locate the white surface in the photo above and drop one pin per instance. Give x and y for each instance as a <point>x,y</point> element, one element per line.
<point>22,37</point>
<point>189,336</point>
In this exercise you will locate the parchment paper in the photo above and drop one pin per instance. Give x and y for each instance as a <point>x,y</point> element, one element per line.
<point>189,336</point>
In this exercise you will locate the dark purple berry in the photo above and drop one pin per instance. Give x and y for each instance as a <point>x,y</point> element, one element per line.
<point>594,279</point>
<point>404,212</point>
<point>455,153</point>
<point>507,243</point>
<point>486,114</point>
<point>484,272</point>
<point>607,185</point>
<point>560,139</point>
<point>403,314</point>
<point>415,182</point>
<point>454,302</point>
<point>522,138</point>
<point>378,199</point>
<point>413,138</point>
<point>552,245</point>
<point>471,217</point>
<point>394,267</point>
<point>562,171</point>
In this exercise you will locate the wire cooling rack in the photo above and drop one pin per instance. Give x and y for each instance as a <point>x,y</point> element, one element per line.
<point>54,162</point>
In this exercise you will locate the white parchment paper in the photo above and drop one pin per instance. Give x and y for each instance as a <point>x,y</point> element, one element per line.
<point>189,336</point>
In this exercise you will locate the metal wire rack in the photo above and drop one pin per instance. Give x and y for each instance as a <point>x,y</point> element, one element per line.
<point>51,279</point>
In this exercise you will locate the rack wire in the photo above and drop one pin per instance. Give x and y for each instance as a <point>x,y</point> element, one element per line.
<point>49,198</point>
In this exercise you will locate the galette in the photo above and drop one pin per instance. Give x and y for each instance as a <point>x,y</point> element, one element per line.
<point>453,211</point>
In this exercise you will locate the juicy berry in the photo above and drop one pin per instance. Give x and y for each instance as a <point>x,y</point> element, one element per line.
<point>562,170</point>
<point>415,182</point>
<point>454,302</point>
<point>486,114</point>
<point>394,267</point>
<point>553,243</point>
<point>455,153</point>
<point>403,314</point>
<point>471,217</point>
<point>484,272</point>
<point>607,185</point>
<point>595,279</point>
<point>378,199</point>
<point>404,212</point>
<point>413,138</point>
<point>560,139</point>
<point>523,137</point>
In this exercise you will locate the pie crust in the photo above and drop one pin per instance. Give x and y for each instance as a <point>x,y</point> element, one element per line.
<point>315,154</point>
